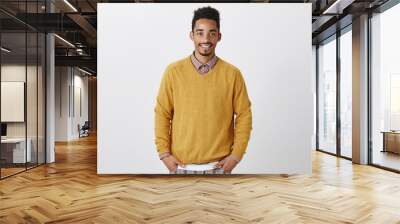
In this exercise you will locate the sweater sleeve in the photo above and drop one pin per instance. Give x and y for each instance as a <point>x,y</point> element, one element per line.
<point>164,111</point>
<point>243,117</point>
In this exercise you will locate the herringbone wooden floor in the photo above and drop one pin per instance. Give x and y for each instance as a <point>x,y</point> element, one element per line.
<point>70,191</point>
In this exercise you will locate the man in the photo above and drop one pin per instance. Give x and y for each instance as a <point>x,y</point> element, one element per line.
<point>203,114</point>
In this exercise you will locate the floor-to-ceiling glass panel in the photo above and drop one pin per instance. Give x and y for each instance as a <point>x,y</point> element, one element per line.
<point>41,98</point>
<point>32,98</point>
<point>327,96</point>
<point>346,93</point>
<point>33,79</point>
<point>385,81</point>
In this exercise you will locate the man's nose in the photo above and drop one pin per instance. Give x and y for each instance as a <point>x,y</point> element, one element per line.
<point>206,38</point>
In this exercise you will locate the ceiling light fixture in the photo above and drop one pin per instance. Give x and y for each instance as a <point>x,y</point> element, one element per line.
<point>70,5</point>
<point>5,50</point>
<point>337,7</point>
<point>64,40</point>
<point>84,71</point>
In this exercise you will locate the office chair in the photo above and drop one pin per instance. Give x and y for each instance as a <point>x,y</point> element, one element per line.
<point>84,130</point>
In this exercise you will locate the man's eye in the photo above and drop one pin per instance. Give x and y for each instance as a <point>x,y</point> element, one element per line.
<point>200,34</point>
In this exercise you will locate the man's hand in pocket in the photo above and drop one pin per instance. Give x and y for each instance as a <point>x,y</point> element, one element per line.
<point>172,163</point>
<point>228,163</point>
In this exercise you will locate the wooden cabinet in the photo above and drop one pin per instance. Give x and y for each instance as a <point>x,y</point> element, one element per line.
<point>391,142</point>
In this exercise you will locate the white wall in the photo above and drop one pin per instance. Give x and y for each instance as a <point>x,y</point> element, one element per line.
<point>61,103</point>
<point>68,81</point>
<point>314,83</point>
<point>80,84</point>
<point>270,43</point>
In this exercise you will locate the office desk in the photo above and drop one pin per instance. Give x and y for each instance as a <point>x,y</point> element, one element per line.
<point>391,141</point>
<point>13,150</point>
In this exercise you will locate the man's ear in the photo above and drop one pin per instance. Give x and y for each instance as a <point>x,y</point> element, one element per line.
<point>191,35</point>
<point>219,36</point>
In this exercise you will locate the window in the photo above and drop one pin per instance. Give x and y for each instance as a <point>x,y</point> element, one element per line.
<point>385,89</point>
<point>327,96</point>
<point>346,93</point>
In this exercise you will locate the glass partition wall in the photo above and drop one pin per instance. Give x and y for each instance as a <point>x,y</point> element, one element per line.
<point>334,75</point>
<point>22,77</point>
<point>327,95</point>
<point>346,75</point>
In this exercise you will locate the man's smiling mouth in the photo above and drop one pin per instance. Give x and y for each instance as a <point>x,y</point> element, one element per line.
<point>205,46</point>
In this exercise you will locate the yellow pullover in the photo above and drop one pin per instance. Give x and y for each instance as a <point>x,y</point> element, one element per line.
<point>201,118</point>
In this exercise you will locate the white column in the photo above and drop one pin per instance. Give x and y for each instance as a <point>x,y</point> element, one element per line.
<point>50,92</point>
<point>50,110</point>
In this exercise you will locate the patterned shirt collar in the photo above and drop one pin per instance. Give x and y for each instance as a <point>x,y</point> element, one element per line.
<point>203,68</point>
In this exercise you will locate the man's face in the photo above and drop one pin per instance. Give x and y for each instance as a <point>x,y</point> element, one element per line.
<point>205,36</point>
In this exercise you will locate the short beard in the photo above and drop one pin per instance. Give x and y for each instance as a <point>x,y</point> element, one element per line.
<point>205,54</point>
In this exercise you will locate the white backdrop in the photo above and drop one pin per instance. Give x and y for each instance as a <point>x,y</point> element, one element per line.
<point>269,43</point>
